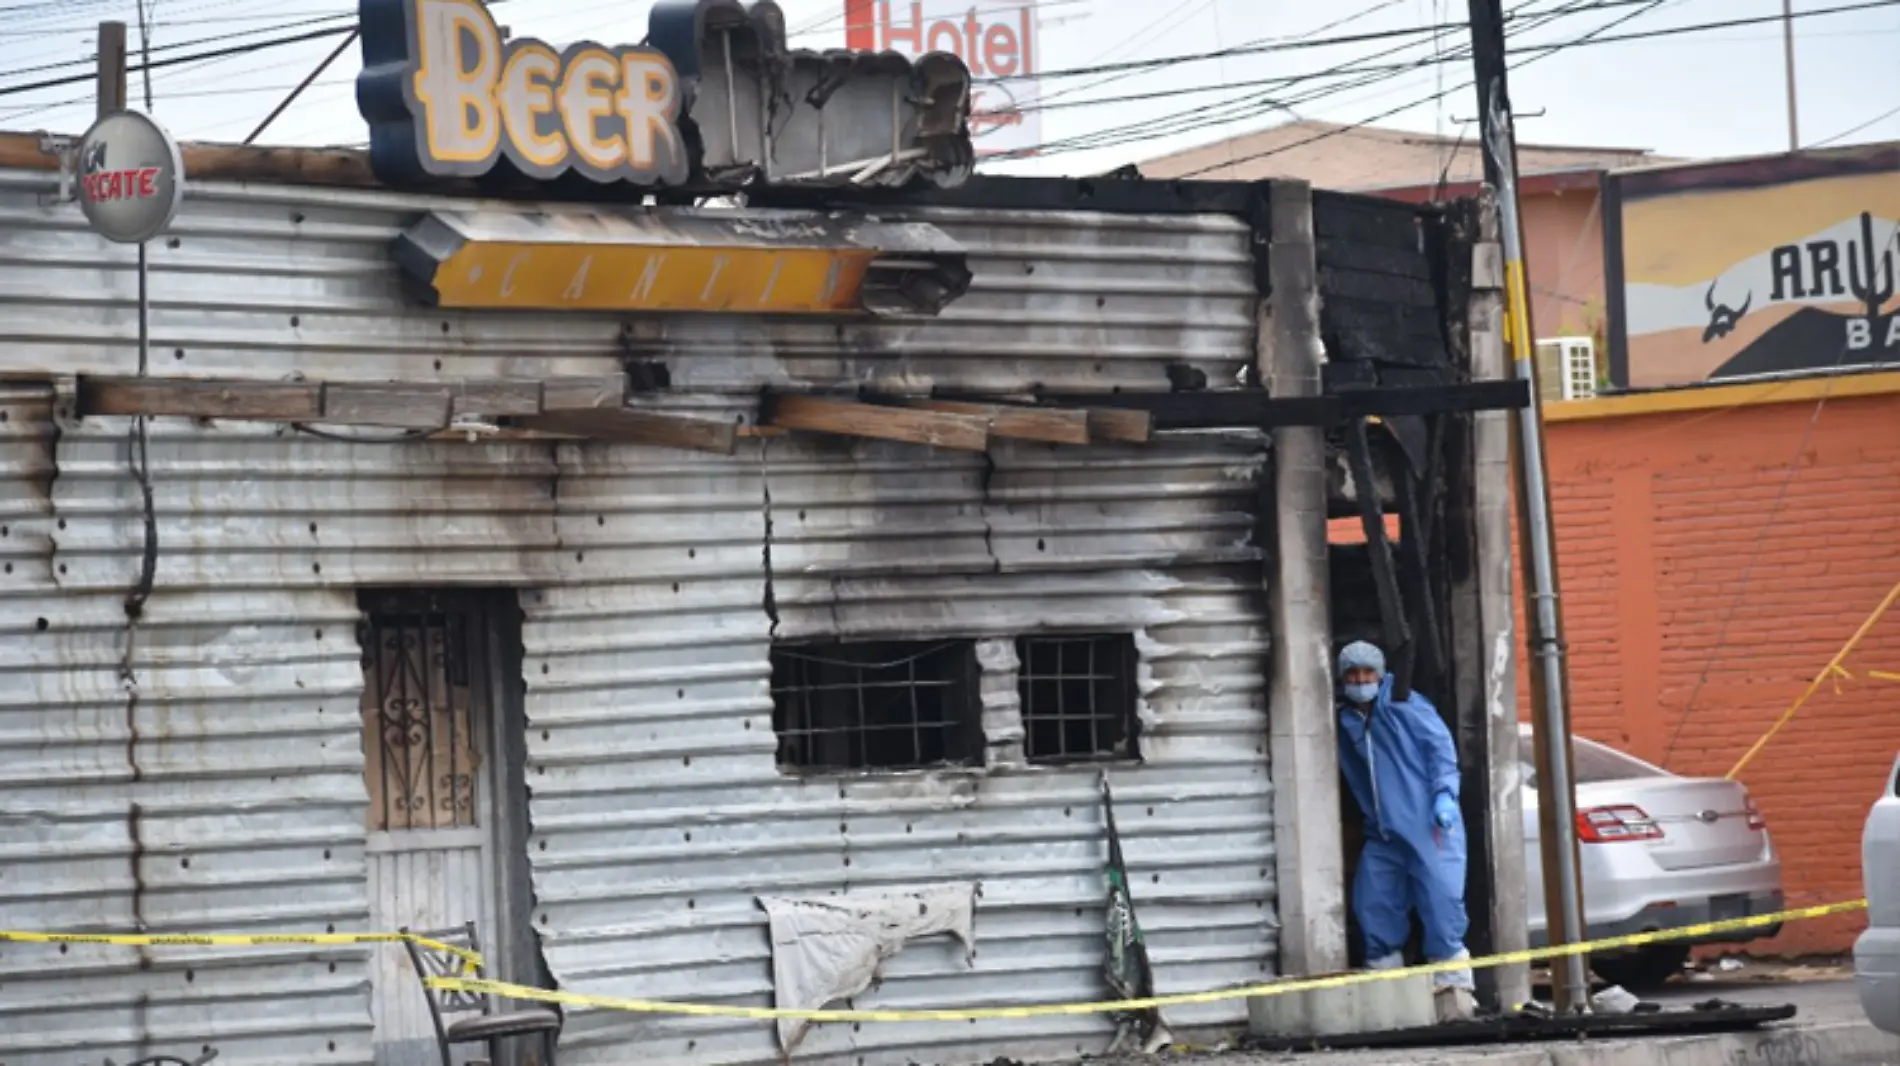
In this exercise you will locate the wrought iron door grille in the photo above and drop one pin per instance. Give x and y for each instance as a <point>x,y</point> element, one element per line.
<point>1078,697</point>
<point>880,705</point>
<point>420,750</point>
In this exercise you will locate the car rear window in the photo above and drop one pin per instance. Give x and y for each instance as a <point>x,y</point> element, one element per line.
<point>1594,763</point>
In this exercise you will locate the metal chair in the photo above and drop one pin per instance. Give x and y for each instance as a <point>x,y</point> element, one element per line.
<point>487,1026</point>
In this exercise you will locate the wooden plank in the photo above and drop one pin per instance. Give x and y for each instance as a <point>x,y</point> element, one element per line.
<point>1047,424</point>
<point>410,406</point>
<point>628,426</point>
<point>281,401</point>
<point>1125,426</point>
<point>496,399</point>
<point>607,392</point>
<point>939,429</point>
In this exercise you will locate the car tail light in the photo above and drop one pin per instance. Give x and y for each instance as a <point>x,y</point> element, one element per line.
<point>1614,825</point>
<point>1756,820</point>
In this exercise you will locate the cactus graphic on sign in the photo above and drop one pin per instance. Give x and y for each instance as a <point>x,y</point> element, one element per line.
<point>1862,255</point>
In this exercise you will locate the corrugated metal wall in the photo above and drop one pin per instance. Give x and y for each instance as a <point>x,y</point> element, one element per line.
<point>227,796</point>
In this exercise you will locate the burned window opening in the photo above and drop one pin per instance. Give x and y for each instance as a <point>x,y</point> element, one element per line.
<point>1078,697</point>
<point>876,705</point>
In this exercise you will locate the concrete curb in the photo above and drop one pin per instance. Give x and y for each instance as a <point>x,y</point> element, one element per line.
<point>1820,1045</point>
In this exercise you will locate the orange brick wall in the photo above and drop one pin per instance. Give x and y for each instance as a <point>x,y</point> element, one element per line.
<point>1686,549</point>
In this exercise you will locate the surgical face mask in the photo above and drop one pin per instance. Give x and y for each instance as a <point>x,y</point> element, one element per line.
<point>1362,694</point>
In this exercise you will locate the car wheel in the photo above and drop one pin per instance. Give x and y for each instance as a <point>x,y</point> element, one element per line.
<point>1645,970</point>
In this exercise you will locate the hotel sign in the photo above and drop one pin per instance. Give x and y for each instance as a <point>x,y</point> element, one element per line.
<point>449,97</point>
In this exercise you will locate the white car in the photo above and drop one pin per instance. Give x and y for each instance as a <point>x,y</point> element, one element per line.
<point>1658,851</point>
<point>1877,952</point>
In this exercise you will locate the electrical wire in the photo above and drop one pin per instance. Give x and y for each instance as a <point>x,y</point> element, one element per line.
<point>172,61</point>
<point>1846,133</point>
<point>1536,52</point>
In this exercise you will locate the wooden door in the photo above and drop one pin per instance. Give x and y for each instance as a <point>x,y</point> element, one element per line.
<point>429,733</point>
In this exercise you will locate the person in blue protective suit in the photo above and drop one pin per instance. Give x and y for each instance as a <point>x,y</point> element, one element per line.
<point>1401,767</point>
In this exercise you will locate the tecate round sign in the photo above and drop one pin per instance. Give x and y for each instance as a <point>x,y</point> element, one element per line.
<point>131,177</point>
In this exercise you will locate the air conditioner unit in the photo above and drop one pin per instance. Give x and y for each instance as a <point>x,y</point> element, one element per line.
<point>1566,368</point>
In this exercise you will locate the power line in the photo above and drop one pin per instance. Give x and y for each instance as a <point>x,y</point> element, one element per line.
<point>173,61</point>
<point>1288,45</point>
<point>1846,133</point>
<point>88,60</point>
<point>1541,51</point>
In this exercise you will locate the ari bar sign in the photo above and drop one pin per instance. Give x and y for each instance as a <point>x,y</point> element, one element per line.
<point>997,39</point>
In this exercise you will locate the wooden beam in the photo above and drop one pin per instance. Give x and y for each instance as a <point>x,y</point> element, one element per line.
<point>412,406</point>
<point>607,392</point>
<point>496,399</point>
<point>628,426</point>
<point>1047,424</point>
<point>939,429</point>
<point>1125,426</point>
<point>276,401</point>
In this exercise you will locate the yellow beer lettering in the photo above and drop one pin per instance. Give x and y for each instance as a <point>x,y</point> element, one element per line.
<point>612,112</point>
<point>525,96</point>
<point>455,87</point>
<point>649,102</point>
<point>586,98</point>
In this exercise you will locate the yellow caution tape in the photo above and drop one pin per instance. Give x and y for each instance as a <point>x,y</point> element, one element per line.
<point>1276,988</point>
<point>237,940</point>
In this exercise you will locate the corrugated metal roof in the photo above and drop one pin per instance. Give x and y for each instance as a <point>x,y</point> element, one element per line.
<point>229,796</point>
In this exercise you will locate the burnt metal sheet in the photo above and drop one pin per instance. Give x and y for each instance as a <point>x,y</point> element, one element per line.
<point>275,281</point>
<point>659,811</point>
<point>646,576</point>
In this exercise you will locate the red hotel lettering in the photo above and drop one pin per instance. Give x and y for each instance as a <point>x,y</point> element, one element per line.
<point>107,185</point>
<point>997,49</point>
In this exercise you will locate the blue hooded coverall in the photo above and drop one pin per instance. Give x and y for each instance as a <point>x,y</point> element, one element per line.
<point>1397,760</point>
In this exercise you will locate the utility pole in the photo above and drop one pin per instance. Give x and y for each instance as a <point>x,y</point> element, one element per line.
<point>145,48</point>
<point>111,76</point>
<point>1787,47</point>
<point>1550,687</point>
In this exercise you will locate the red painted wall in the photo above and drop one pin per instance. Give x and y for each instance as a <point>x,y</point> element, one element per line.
<point>1712,563</point>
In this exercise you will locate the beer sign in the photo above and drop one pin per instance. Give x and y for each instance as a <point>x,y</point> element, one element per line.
<point>447,97</point>
<point>996,39</point>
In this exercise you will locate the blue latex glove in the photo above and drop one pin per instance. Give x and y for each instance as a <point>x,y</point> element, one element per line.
<point>1445,811</point>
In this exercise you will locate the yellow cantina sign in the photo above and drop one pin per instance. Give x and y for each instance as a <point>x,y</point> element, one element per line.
<point>552,277</point>
<point>446,96</point>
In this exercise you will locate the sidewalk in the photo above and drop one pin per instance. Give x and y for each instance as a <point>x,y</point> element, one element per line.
<point>1829,1031</point>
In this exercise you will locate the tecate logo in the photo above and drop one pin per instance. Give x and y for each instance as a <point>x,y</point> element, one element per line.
<point>140,183</point>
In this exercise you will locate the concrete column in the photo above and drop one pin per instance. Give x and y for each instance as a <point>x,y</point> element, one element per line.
<point>1306,819</point>
<point>1492,480</point>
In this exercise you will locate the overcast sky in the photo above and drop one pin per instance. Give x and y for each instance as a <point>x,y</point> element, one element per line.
<point>1711,93</point>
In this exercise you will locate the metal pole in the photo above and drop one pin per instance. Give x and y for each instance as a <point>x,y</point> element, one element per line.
<point>1550,725</point>
<point>1787,45</point>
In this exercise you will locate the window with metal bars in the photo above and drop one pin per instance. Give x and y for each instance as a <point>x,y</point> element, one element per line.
<point>1078,696</point>
<point>876,705</point>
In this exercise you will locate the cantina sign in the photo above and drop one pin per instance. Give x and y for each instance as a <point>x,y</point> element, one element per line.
<point>447,97</point>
